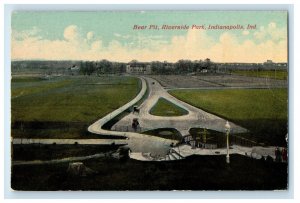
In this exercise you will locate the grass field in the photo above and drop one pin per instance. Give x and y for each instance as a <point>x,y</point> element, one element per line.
<point>262,111</point>
<point>63,107</point>
<point>280,74</point>
<point>166,108</point>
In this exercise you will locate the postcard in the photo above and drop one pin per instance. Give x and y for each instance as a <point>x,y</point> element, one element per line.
<point>149,100</point>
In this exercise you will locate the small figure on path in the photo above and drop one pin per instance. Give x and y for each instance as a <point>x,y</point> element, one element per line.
<point>136,109</point>
<point>135,124</point>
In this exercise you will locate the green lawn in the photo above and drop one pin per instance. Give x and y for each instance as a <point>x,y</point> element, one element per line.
<point>262,111</point>
<point>65,106</point>
<point>166,108</point>
<point>279,74</point>
<point>27,79</point>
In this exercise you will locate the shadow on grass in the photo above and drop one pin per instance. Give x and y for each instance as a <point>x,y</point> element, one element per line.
<point>192,173</point>
<point>57,130</point>
<point>48,152</point>
<point>268,131</point>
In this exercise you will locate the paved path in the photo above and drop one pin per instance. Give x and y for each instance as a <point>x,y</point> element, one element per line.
<point>183,151</point>
<point>147,145</point>
<point>137,142</point>
<point>70,141</point>
<point>195,117</point>
<point>158,146</point>
<point>257,152</point>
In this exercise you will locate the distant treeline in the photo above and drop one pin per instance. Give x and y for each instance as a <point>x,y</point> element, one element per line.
<point>44,67</point>
<point>183,67</point>
<point>157,67</point>
<point>108,67</point>
<point>101,67</point>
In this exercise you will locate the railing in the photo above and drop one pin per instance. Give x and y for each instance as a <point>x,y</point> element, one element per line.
<point>242,141</point>
<point>219,142</point>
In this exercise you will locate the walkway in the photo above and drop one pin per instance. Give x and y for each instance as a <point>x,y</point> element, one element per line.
<point>137,142</point>
<point>70,141</point>
<point>196,118</point>
<point>147,147</point>
<point>183,151</point>
<point>157,146</point>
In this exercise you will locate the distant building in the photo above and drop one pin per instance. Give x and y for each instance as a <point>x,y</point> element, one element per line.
<point>269,62</point>
<point>74,68</point>
<point>138,68</point>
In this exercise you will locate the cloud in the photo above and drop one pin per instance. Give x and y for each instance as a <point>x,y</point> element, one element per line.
<point>228,48</point>
<point>266,43</point>
<point>71,33</point>
<point>96,45</point>
<point>90,35</point>
<point>33,32</point>
<point>271,32</point>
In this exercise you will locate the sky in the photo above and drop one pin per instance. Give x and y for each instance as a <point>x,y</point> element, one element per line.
<point>110,35</point>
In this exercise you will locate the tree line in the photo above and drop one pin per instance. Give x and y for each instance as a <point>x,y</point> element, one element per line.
<point>183,67</point>
<point>101,67</point>
<point>157,67</point>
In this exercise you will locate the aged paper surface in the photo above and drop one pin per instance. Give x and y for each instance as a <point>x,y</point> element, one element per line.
<point>149,100</point>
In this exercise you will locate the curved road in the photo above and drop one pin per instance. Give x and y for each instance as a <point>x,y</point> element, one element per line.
<point>155,145</point>
<point>136,142</point>
<point>194,119</point>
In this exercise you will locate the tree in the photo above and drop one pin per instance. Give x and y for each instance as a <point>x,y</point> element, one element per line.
<point>87,68</point>
<point>122,68</point>
<point>184,66</point>
<point>104,66</point>
<point>157,67</point>
<point>82,68</point>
